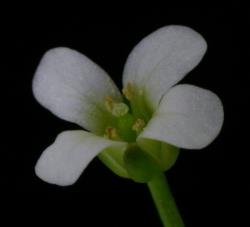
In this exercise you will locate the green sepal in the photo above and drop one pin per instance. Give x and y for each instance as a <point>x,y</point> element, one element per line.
<point>113,159</point>
<point>140,166</point>
<point>165,154</point>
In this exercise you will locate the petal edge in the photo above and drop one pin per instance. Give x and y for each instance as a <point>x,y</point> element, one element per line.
<point>188,117</point>
<point>162,59</point>
<point>74,88</point>
<point>63,162</point>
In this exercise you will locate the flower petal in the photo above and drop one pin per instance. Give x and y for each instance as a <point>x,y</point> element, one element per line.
<point>74,88</point>
<point>63,162</point>
<point>162,59</point>
<point>188,117</point>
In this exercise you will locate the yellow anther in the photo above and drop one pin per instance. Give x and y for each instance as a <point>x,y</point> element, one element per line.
<point>138,125</point>
<point>111,133</point>
<point>128,91</point>
<point>109,103</point>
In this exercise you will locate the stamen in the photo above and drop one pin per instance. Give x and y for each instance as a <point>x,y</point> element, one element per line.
<point>128,91</point>
<point>109,103</point>
<point>111,133</point>
<point>138,125</point>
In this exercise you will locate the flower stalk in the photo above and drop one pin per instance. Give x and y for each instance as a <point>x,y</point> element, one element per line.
<point>164,201</point>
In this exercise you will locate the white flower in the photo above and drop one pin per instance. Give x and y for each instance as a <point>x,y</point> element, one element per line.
<point>154,113</point>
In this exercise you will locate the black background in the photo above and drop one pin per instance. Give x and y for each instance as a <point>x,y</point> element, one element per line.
<point>208,185</point>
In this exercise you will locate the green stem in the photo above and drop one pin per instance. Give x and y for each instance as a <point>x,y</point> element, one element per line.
<point>164,202</point>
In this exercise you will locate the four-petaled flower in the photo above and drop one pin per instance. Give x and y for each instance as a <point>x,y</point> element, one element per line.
<point>151,115</point>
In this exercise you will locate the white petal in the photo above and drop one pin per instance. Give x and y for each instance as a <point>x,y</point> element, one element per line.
<point>63,162</point>
<point>188,117</point>
<point>162,59</point>
<point>74,88</point>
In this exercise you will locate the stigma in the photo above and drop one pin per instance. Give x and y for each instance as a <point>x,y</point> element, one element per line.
<point>116,109</point>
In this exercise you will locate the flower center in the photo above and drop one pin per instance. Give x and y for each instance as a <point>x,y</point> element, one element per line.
<point>126,125</point>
